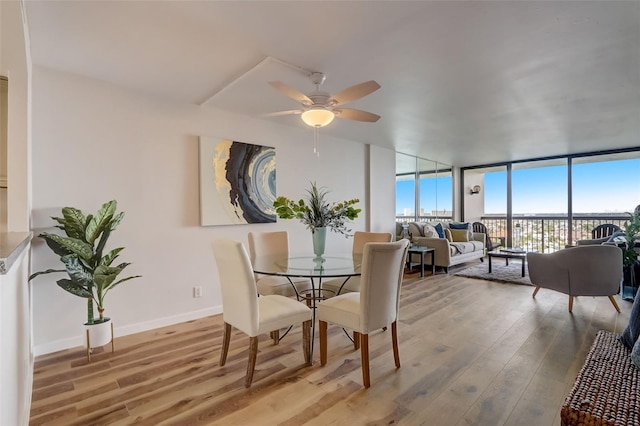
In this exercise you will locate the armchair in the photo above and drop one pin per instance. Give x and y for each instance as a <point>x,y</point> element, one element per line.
<point>592,270</point>
<point>600,234</point>
<point>491,244</point>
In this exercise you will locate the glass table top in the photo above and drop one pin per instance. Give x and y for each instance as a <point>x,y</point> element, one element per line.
<point>308,266</point>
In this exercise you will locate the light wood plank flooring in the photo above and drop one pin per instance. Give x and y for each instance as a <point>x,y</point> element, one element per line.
<point>473,352</point>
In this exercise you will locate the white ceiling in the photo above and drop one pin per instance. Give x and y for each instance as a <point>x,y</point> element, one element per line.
<point>463,82</point>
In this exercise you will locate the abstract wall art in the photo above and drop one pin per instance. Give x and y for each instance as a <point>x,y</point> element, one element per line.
<point>237,182</point>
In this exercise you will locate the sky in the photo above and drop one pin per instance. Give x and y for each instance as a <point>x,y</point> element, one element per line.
<point>602,187</point>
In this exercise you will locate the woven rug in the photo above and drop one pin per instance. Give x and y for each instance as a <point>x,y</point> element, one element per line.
<point>499,272</point>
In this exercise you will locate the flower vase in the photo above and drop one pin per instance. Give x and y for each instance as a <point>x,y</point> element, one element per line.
<point>319,237</point>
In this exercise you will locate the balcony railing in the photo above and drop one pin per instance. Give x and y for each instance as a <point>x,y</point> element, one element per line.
<point>543,234</point>
<point>548,233</point>
<point>407,219</point>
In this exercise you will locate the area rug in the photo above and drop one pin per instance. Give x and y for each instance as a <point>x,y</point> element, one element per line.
<point>499,272</point>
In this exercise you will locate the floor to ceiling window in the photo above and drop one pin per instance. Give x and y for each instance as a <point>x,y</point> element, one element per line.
<point>551,203</point>
<point>424,189</point>
<point>436,196</point>
<point>605,188</point>
<point>615,190</point>
<point>539,205</point>
<point>405,188</point>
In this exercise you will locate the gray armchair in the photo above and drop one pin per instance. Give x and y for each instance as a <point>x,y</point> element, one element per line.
<point>600,234</point>
<point>592,270</point>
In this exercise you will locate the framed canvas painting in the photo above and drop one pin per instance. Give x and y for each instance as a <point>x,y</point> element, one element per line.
<point>237,182</point>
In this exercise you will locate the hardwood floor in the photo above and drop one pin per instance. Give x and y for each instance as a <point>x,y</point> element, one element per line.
<point>472,352</point>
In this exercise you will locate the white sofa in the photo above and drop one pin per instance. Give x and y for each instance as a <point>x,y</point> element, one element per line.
<point>448,253</point>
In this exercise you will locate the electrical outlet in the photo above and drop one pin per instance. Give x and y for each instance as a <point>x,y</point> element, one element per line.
<point>197,291</point>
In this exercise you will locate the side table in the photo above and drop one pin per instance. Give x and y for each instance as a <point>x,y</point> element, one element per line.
<point>421,251</point>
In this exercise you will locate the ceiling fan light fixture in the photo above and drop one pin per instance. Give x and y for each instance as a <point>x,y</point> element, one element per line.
<point>318,117</point>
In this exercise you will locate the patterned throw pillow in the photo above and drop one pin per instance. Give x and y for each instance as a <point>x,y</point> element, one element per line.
<point>629,336</point>
<point>430,231</point>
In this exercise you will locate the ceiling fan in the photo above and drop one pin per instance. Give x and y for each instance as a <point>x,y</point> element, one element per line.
<point>320,108</point>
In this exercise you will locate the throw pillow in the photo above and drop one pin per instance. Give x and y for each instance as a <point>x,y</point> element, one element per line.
<point>447,234</point>
<point>440,230</point>
<point>430,231</point>
<point>630,335</point>
<point>416,229</point>
<point>459,235</point>
<point>464,226</point>
<point>617,238</point>
<point>635,354</point>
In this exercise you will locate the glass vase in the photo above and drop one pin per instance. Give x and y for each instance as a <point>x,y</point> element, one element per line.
<point>319,237</point>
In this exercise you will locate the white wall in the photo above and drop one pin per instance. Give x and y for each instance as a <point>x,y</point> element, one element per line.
<point>15,345</point>
<point>14,64</point>
<point>382,189</point>
<point>16,355</point>
<point>93,142</point>
<point>473,203</point>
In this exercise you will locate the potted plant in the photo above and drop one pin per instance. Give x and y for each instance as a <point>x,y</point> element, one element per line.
<point>89,269</point>
<point>630,256</point>
<point>318,214</point>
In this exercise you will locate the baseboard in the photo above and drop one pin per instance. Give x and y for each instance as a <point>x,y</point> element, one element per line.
<point>62,344</point>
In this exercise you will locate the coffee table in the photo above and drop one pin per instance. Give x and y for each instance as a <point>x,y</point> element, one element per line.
<point>421,250</point>
<point>509,253</point>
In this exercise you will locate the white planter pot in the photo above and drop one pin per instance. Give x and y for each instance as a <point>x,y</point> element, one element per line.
<point>98,334</point>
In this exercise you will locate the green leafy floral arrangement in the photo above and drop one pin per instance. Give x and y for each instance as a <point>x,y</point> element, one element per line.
<point>631,235</point>
<point>316,211</point>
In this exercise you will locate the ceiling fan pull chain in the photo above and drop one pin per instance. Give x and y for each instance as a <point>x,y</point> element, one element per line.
<point>316,142</point>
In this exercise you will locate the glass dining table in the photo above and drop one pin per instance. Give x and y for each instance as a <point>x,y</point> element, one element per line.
<point>316,269</point>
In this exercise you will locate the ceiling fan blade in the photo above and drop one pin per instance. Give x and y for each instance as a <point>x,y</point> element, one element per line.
<point>294,94</point>
<point>279,113</point>
<point>353,93</point>
<point>356,114</point>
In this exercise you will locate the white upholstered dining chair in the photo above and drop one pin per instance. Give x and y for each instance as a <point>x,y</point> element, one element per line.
<point>253,315</point>
<point>360,238</point>
<point>271,244</point>
<point>374,307</point>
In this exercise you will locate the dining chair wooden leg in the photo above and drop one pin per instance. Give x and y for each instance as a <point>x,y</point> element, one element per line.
<point>275,335</point>
<point>306,341</point>
<point>225,344</point>
<point>323,342</point>
<point>251,365</point>
<point>536,291</point>
<point>364,359</point>
<point>356,340</point>
<point>615,305</point>
<point>570,303</point>
<point>394,342</point>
